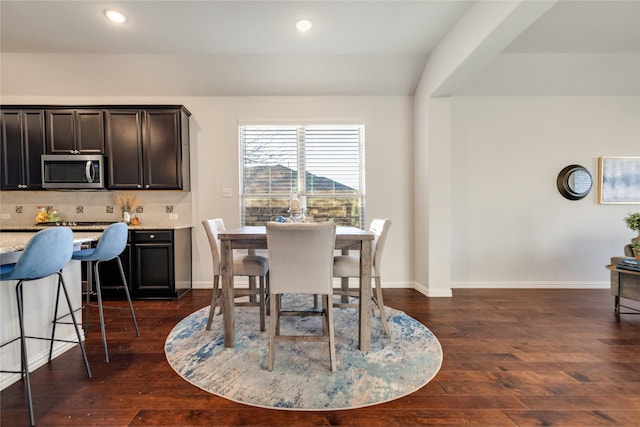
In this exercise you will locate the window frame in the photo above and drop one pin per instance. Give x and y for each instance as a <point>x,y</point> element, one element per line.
<point>301,173</point>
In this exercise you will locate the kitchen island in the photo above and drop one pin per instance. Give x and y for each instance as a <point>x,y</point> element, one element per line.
<point>39,301</point>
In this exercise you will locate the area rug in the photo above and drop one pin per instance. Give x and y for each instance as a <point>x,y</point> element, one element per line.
<point>301,379</point>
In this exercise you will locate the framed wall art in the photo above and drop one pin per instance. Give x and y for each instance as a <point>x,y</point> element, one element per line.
<point>619,180</point>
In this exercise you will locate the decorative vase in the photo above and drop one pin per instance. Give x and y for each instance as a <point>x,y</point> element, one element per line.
<point>126,217</point>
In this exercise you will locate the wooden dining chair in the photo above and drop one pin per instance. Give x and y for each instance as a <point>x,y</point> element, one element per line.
<point>251,266</point>
<point>301,262</point>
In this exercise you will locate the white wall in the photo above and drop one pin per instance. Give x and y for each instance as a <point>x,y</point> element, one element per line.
<point>214,158</point>
<point>510,225</point>
<point>388,146</point>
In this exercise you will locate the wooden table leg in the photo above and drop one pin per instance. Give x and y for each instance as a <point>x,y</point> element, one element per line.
<point>226,271</point>
<point>344,283</point>
<point>365,296</point>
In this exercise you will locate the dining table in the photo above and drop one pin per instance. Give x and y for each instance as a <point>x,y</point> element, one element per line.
<point>255,237</point>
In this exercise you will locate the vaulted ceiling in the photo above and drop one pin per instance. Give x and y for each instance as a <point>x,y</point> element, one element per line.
<point>201,48</point>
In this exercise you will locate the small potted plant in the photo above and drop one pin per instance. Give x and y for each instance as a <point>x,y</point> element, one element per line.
<point>635,246</point>
<point>633,222</point>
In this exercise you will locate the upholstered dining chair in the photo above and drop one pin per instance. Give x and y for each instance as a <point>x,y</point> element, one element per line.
<point>251,266</point>
<point>111,244</point>
<point>45,254</point>
<point>301,262</point>
<point>346,266</point>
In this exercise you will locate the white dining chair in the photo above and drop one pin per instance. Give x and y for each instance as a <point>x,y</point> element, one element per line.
<point>251,266</point>
<point>346,266</point>
<point>301,262</point>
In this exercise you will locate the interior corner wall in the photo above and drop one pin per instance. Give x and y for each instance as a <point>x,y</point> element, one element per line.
<point>421,174</point>
<point>510,225</point>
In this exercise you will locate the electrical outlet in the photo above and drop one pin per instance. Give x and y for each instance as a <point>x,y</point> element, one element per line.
<point>5,216</point>
<point>226,192</point>
<point>173,216</point>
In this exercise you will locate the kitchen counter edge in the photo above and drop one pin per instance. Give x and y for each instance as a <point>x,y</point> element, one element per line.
<point>93,227</point>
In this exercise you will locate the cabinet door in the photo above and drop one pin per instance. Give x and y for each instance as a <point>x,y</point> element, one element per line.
<point>124,149</point>
<point>34,145</point>
<point>154,270</point>
<point>162,150</point>
<point>90,131</point>
<point>110,279</point>
<point>61,132</point>
<point>23,142</point>
<point>75,132</point>
<point>12,165</point>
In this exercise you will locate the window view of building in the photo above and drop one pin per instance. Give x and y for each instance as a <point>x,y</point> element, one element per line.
<point>321,165</point>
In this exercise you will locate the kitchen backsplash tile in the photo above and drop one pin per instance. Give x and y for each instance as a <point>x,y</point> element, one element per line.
<point>20,207</point>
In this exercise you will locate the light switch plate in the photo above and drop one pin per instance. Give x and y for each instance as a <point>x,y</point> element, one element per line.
<point>173,216</point>
<point>5,216</point>
<point>226,192</point>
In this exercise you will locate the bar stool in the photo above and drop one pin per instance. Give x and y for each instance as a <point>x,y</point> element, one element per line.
<point>110,245</point>
<point>46,253</point>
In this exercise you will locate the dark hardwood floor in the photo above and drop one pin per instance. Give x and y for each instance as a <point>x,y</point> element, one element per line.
<point>511,357</point>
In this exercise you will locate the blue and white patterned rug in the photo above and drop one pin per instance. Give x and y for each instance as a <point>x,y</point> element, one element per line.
<point>301,379</point>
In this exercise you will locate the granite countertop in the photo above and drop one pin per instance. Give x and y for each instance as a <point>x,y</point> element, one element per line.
<point>15,242</point>
<point>13,228</point>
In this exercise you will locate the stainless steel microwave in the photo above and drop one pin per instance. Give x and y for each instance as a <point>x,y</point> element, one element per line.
<point>73,171</point>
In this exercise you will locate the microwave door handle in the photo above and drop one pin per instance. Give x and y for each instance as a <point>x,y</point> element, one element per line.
<point>88,171</point>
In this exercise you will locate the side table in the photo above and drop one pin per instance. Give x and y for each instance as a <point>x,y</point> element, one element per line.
<point>625,284</point>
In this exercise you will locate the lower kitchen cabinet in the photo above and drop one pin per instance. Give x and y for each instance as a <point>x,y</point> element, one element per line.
<point>110,280</point>
<point>156,263</point>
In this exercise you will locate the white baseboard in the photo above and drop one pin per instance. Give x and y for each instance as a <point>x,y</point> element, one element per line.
<point>530,285</point>
<point>436,293</point>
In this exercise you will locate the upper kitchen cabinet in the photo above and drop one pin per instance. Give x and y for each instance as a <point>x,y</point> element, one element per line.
<point>22,143</point>
<point>74,131</point>
<point>148,148</point>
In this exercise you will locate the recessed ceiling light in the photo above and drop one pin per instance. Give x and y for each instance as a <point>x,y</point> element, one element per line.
<point>115,16</point>
<point>304,25</point>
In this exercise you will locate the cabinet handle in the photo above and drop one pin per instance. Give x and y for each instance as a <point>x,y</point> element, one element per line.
<point>152,236</point>
<point>147,186</point>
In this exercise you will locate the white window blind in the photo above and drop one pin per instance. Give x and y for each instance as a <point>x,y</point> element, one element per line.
<point>324,163</point>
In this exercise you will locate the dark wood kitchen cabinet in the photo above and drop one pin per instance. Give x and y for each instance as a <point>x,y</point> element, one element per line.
<point>110,279</point>
<point>22,134</point>
<point>146,146</point>
<point>162,263</point>
<point>75,131</point>
<point>156,263</point>
<point>147,149</point>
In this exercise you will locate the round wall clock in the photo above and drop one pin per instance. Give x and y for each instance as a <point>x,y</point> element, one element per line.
<point>574,182</point>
